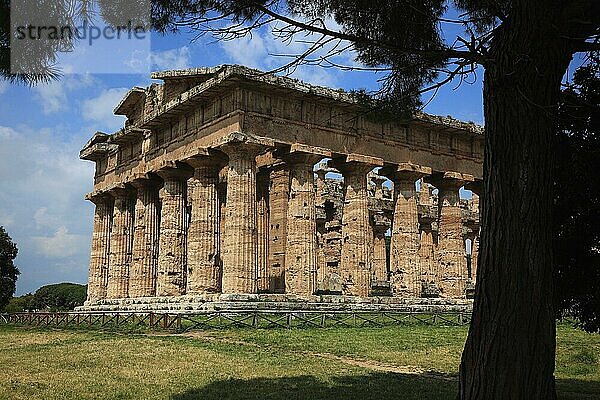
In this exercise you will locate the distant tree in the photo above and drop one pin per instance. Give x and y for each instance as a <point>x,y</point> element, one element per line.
<point>8,271</point>
<point>577,200</point>
<point>20,303</point>
<point>59,297</point>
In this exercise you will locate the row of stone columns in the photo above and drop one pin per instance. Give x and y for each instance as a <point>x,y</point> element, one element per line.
<point>266,235</point>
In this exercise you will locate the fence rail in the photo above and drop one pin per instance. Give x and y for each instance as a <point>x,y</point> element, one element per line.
<point>183,322</point>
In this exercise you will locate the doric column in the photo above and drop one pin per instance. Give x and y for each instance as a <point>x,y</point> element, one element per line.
<point>321,266</point>
<point>427,224</point>
<point>262,228</point>
<point>240,242</point>
<point>379,272</point>
<point>475,187</point>
<point>301,243</point>
<point>121,241</point>
<point>222,193</point>
<point>427,260</point>
<point>378,180</point>
<point>98,274</point>
<point>452,268</point>
<point>171,279</point>
<point>144,263</point>
<point>321,185</point>
<point>424,193</point>
<point>357,239</point>
<point>404,246</point>
<point>279,186</point>
<point>204,262</point>
<point>474,255</point>
<point>475,203</point>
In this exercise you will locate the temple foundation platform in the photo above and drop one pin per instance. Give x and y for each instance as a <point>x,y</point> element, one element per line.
<point>279,302</point>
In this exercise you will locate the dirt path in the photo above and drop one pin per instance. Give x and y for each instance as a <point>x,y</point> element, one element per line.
<point>356,362</point>
<point>381,367</point>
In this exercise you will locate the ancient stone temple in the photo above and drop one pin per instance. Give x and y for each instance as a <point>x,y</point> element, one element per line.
<point>227,181</point>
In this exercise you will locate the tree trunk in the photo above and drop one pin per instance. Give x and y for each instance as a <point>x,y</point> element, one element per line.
<point>510,349</point>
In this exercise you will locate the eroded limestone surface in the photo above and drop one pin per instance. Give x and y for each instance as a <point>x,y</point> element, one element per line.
<point>227,181</point>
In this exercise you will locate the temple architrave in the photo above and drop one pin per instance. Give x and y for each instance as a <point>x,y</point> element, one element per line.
<point>226,181</point>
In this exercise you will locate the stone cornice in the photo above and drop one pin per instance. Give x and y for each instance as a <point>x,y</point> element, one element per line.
<point>218,76</point>
<point>131,98</point>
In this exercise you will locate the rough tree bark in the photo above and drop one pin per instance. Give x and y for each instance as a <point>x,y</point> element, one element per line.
<point>510,349</point>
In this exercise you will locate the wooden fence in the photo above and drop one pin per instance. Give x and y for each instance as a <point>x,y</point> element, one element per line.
<point>183,322</point>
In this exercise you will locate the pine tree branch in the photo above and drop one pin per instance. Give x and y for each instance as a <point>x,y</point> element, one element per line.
<point>441,53</point>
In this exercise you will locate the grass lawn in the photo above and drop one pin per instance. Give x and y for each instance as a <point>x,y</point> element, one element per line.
<point>405,362</point>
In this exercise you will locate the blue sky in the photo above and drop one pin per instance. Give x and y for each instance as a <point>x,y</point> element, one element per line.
<point>42,129</point>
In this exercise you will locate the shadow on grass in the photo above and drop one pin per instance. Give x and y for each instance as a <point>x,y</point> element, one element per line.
<point>369,386</point>
<point>574,389</point>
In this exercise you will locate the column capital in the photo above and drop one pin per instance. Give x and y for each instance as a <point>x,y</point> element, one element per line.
<point>404,171</point>
<point>174,170</point>
<point>356,163</point>
<point>323,169</point>
<point>300,154</point>
<point>121,191</point>
<point>98,197</point>
<point>238,144</point>
<point>449,180</point>
<point>376,178</point>
<point>381,223</point>
<point>144,181</point>
<point>205,158</point>
<point>321,173</point>
<point>476,186</point>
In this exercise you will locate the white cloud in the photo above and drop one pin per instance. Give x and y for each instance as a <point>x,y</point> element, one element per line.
<point>6,220</point>
<point>53,96</point>
<point>42,188</point>
<point>250,51</point>
<point>3,86</point>
<point>61,244</point>
<point>180,58</point>
<point>100,109</point>
<point>6,132</point>
<point>265,52</point>
<point>44,219</point>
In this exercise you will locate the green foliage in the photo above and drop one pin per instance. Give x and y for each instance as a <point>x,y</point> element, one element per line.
<point>20,304</point>
<point>40,56</point>
<point>577,200</point>
<point>59,297</point>
<point>401,37</point>
<point>8,271</point>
